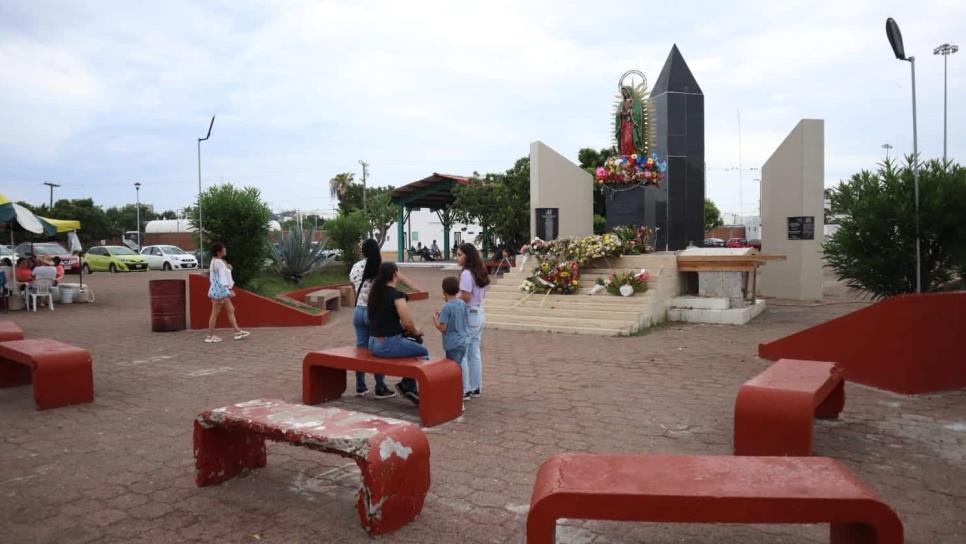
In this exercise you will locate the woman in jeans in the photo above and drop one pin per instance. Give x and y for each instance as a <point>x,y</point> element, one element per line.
<point>473,282</point>
<point>361,276</point>
<point>389,320</point>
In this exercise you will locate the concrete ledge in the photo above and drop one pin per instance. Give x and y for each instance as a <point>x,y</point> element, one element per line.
<point>733,316</point>
<point>700,303</point>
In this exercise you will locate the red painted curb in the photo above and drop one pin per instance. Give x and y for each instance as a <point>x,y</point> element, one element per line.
<point>251,310</point>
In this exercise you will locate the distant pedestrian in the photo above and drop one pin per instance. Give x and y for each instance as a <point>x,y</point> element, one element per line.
<point>220,292</point>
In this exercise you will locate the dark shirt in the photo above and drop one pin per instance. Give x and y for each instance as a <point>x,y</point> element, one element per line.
<point>384,320</point>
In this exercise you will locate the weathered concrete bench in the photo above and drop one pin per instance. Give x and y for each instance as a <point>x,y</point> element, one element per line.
<point>61,373</point>
<point>10,331</point>
<point>393,455</point>
<point>440,382</point>
<point>708,489</point>
<point>774,411</point>
<point>324,298</point>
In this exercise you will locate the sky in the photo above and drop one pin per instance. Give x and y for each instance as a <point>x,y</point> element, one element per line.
<point>99,95</point>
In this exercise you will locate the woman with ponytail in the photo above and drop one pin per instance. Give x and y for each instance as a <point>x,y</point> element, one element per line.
<point>391,326</point>
<point>473,282</point>
<point>361,276</point>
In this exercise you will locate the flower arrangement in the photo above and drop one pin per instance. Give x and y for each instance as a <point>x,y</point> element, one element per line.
<point>627,283</point>
<point>554,276</point>
<point>636,239</point>
<point>581,250</point>
<point>631,170</point>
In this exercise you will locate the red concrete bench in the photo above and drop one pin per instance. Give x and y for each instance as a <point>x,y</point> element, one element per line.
<point>774,410</point>
<point>10,331</point>
<point>61,373</point>
<point>440,382</point>
<point>708,489</point>
<point>393,455</point>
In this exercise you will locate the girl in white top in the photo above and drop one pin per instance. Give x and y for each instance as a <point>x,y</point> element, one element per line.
<point>220,293</point>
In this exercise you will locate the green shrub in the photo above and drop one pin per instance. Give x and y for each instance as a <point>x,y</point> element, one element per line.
<point>239,219</point>
<point>345,233</point>
<point>297,256</point>
<point>874,249</point>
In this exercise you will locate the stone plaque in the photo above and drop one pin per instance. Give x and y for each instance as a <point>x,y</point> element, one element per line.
<point>801,228</point>
<point>548,223</point>
<point>625,206</point>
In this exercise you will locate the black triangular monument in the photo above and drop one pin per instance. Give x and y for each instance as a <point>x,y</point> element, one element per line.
<point>677,122</point>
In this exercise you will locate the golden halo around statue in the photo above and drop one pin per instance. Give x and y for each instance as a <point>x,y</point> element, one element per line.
<point>620,83</point>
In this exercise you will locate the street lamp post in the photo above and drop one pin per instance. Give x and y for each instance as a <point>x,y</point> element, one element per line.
<point>945,50</point>
<point>201,223</point>
<point>137,190</point>
<point>887,147</point>
<point>895,39</point>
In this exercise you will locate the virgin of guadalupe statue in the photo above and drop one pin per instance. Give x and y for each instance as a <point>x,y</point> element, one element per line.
<point>629,124</point>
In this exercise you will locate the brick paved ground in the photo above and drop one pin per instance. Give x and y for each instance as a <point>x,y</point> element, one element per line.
<point>121,469</point>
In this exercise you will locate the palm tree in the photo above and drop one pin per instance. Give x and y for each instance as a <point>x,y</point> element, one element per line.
<point>339,184</point>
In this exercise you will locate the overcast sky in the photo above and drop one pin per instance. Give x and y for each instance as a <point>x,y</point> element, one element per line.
<point>97,95</point>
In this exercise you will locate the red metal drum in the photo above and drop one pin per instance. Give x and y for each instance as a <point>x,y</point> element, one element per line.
<point>167,305</point>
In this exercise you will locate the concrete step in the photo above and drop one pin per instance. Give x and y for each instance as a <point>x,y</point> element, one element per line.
<point>521,325</point>
<point>533,308</point>
<point>612,301</point>
<point>546,318</point>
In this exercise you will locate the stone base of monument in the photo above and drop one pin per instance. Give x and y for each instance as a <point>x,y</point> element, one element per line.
<point>719,310</point>
<point>600,314</point>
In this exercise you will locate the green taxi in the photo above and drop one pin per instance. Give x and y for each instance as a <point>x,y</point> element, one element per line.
<point>113,259</point>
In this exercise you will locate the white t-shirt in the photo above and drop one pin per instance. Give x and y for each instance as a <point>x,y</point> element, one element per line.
<point>220,271</point>
<point>355,276</point>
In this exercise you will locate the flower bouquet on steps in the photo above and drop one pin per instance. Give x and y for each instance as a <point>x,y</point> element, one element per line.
<point>625,284</point>
<point>553,276</point>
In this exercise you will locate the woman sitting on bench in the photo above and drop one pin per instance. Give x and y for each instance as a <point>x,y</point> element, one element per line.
<point>392,332</point>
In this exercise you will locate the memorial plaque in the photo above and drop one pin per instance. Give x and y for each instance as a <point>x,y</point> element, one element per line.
<point>625,206</point>
<point>548,223</point>
<point>801,228</point>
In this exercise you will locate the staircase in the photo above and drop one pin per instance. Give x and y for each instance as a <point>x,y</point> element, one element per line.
<point>601,314</point>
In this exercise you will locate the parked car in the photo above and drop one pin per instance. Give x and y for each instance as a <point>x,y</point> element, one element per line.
<point>71,263</point>
<point>755,244</point>
<point>737,242</point>
<point>113,259</point>
<point>714,242</point>
<point>163,257</point>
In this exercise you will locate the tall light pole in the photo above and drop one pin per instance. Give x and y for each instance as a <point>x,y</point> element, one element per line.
<point>137,191</point>
<point>887,147</point>
<point>365,174</point>
<point>201,223</point>
<point>51,185</point>
<point>945,50</point>
<point>895,39</point>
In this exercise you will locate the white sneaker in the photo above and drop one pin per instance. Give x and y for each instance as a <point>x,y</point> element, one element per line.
<point>212,339</point>
<point>241,334</point>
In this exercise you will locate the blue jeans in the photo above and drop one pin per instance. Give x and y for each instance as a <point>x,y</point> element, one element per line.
<point>360,320</point>
<point>472,363</point>
<point>397,347</point>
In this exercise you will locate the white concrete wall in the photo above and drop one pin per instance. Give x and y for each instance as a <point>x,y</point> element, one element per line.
<point>792,185</point>
<point>555,182</point>
<point>427,227</point>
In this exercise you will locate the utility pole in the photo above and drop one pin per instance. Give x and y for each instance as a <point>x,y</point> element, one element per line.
<point>51,185</point>
<point>365,174</point>
<point>887,147</point>
<point>137,191</point>
<point>201,223</point>
<point>945,50</point>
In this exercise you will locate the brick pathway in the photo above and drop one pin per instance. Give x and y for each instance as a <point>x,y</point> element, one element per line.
<point>121,469</point>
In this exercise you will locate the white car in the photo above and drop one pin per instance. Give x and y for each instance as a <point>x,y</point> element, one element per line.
<point>168,258</point>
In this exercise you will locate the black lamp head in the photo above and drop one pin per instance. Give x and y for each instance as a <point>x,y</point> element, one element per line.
<point>895,38</point>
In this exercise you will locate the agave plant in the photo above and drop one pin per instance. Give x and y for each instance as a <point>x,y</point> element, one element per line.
<point>296,255</point>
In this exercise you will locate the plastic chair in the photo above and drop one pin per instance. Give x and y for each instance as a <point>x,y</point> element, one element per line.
<point>38,289</point>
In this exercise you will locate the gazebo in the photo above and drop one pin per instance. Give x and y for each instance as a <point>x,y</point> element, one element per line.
<point>434,192</point>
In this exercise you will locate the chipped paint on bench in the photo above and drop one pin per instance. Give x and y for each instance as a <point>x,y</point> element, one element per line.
<point>392,455</point>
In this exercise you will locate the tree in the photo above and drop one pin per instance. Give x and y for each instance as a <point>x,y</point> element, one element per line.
<point>339,185</point>
<point>500,203</point>
<point>590,159</point>
<point>345,233</point>
<point>875,246</point>
<point>712,216</point>
<point>381,213</point>
<point>239,219</point>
